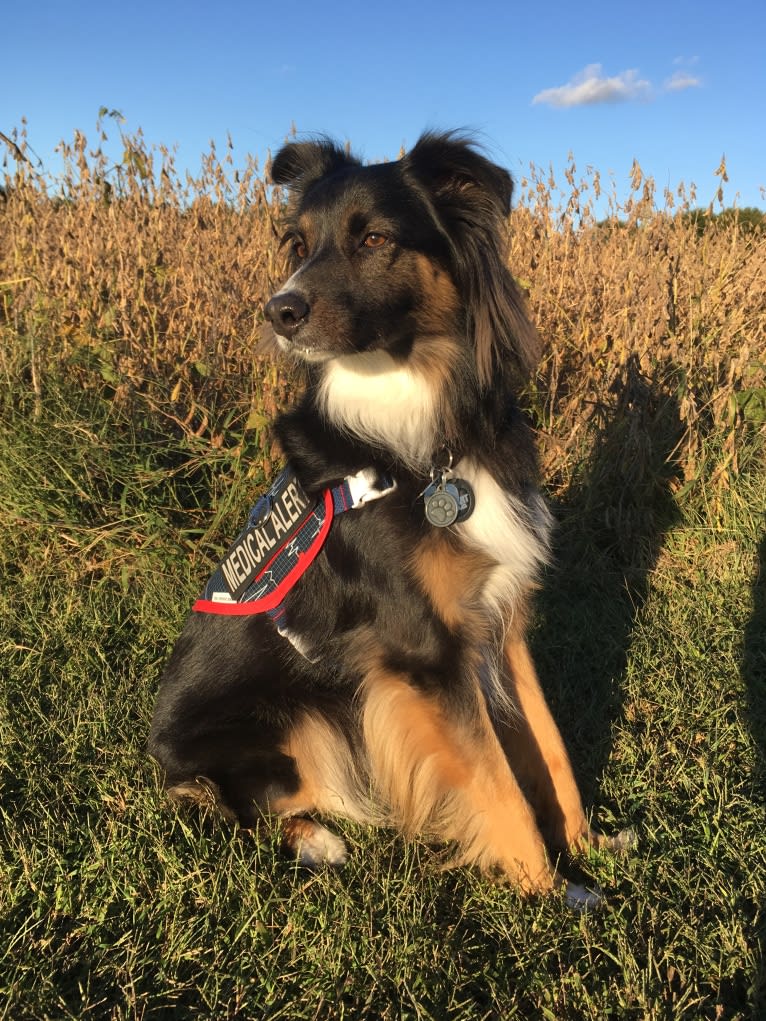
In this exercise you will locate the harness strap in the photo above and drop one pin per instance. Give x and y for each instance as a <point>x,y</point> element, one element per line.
<point>283,537</point>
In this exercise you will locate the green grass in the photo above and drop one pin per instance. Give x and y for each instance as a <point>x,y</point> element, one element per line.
<point>651,641</point>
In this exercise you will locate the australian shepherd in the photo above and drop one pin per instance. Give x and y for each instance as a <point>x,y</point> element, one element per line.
<point>388,679</point>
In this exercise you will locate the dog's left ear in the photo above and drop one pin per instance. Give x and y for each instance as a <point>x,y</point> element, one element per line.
<point>457,174</point>
<point>471,196</point>
<point>301,163</point>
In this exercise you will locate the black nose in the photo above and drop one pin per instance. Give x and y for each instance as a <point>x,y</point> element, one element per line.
<point>286,312</point>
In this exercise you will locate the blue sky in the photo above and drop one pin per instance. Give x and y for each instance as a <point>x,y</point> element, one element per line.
<point>675,84</point>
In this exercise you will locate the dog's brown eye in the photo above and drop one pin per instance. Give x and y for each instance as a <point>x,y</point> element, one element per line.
<point>299,249</point>
<point>374,240</point>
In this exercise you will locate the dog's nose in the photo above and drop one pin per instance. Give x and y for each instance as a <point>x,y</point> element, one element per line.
<point>286,312</point>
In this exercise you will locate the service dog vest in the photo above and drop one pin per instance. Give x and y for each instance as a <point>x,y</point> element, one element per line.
<point>284,534</point>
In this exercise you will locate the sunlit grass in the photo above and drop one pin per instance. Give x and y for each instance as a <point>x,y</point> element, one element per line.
<point>113,905</point>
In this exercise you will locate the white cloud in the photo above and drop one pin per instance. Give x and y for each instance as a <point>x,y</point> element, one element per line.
<point>590,86</point>
<point>680,80</point>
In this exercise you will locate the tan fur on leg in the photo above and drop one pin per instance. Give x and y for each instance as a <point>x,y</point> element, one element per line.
<point>451,781</point>
<point>538,756</point>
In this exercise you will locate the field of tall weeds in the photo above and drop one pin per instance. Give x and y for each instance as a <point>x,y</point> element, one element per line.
<point>148,284</point>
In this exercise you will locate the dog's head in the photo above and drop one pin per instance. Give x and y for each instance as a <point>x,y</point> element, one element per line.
<point>395,256</point>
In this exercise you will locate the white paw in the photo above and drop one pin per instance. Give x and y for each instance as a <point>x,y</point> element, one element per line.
<point>580,898</point>
<point>320,847</point>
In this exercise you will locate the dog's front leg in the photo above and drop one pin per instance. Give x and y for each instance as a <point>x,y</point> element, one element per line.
<point>539,759</point>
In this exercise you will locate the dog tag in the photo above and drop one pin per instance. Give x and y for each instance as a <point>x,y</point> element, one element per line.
<point>466,499</point>
<point>442,503</point>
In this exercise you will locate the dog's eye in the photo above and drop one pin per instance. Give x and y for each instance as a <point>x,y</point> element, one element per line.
<point>299,249</point>
<point>374,240</point>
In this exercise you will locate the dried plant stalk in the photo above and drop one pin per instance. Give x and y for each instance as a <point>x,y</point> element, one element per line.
<point>148,283</point>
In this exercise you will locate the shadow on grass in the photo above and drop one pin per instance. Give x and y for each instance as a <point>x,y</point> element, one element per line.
<point>754,669</point>
<point>612,522</point>
<point>754,675</point>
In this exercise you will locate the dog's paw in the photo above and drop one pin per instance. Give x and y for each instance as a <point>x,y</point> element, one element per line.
<point>580,898</point>
<point>313,844</point>
<point>622,842</point>
<point>322,848</point>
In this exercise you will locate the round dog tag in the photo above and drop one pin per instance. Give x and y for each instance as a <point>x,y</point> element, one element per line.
<point>466,499</point>
<point>442,504</point>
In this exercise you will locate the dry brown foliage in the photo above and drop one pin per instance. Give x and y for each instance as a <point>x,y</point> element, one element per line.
<point>150,285</point>
<point>643,301</point>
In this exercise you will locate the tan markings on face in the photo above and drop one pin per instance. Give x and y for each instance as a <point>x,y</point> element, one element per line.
<point>440,299</point>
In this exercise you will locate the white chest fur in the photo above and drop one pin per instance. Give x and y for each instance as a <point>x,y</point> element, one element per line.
<point>513,533</point>
<point>379,401</point>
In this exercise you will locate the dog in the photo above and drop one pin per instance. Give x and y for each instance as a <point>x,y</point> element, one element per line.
<point>390,681</point>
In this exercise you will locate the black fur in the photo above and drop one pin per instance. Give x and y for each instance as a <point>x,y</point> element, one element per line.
<point>395,266</point>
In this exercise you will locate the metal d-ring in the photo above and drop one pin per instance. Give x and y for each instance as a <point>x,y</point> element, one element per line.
<point>436,468</point>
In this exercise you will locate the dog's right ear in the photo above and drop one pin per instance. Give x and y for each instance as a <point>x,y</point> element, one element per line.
<point>301,163</point>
